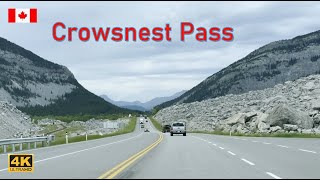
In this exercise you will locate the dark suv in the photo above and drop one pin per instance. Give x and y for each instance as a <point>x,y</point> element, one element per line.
<point>166,128</point>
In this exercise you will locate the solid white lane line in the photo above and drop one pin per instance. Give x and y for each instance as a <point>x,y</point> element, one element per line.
<point>231,153</point>
<point>272,175</point>
<point>75,152</point>
<point>55,146</point>
<point>247,161</point>
<point>221,147</point>
<point>308,151</point>
<point>283,146</point>
<point>266,143</point>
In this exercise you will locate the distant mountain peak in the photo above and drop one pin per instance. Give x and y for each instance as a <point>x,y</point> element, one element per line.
<point>137,105</point>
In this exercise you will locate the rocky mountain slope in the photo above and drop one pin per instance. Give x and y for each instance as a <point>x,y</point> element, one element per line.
<point>265,67</point>
<point>14,123</point>
<point>137,105</point>
<point>40,87</point>
<point>293,106</point>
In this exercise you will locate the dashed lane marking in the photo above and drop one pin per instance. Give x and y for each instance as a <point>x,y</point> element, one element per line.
<point>283,146</point>
<point>308,151</point>
<point>252,164</point>
<point>272,175</point>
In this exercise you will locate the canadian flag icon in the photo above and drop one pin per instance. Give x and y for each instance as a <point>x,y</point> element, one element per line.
<point>22,15</point>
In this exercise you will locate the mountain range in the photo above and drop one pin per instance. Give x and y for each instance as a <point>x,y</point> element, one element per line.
<point>146,106</point>
<point>274,63</point>
<point>39,87</point>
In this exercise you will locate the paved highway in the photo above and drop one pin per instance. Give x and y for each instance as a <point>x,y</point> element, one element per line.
<point>157,155</point>
<point>88,159</point>
<point>211,156</point>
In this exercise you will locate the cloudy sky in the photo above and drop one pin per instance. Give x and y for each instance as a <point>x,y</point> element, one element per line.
<point>143,70</point>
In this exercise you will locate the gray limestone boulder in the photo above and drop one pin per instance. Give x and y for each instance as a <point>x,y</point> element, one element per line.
<point>236,119</point>
<point>290,127</point>
<point>283,114</point>
<point>275,128</point>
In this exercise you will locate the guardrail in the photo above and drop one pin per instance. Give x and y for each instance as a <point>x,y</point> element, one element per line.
<point>13,142</point>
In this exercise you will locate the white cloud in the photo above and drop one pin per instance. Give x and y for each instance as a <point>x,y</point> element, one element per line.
<point>141,71</point>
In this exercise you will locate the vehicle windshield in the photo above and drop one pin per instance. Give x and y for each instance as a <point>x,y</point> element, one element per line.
<point>177,124</point>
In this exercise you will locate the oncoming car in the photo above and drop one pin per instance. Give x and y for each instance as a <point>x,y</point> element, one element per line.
<point>178,128</point>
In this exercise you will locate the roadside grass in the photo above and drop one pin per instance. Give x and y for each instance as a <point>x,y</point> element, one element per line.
<point>60,136</point>
<point>83,117</point>
<point>69,130</point>
<point>156,124</point>
<point>286,135</point>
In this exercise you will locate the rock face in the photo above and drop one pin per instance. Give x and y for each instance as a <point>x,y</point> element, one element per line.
<point>40,87</point>
<point>288,107</point>
<point>14,123</point>
<point>26,79</point>
<point>272,64</point>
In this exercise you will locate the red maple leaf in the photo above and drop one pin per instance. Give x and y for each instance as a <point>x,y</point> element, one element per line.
<point>22,15</point>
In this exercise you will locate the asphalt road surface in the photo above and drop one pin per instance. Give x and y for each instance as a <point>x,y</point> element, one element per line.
<point>158,155</point>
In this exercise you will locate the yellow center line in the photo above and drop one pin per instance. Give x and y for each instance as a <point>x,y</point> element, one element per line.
<point>120,167</point>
